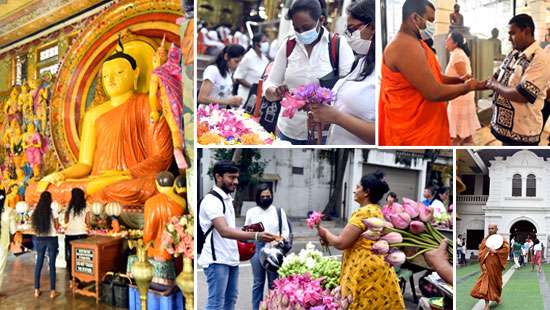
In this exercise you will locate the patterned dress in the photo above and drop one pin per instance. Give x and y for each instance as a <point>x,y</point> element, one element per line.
<point>366,276</point>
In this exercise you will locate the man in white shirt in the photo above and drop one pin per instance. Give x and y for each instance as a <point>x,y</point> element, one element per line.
<point>220,255</point>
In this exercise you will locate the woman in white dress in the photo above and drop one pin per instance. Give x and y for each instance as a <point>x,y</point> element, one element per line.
<point>7,227</point>
<point>463,121</point>
<point>217,81</point>
<point>352,117</point>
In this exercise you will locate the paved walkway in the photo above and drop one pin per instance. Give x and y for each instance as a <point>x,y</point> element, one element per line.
<point>505,278</point>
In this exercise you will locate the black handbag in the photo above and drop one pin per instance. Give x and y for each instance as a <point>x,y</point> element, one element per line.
<point>114,290</point>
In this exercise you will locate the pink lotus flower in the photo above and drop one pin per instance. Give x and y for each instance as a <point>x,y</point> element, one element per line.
<point>400,220</point>
<point>417,227</point>
<point>374,222</point>
<point>411,207</point>
<point>394,208</point>
<point>371,235</point>
<point>396,258</point>
<point>314,219</point>
<point>426,214</point>
<point>381,247</point>
<point>392,237</point>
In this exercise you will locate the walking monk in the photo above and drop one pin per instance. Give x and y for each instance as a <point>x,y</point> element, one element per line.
<point>412,107</point>
<point>489,285</point>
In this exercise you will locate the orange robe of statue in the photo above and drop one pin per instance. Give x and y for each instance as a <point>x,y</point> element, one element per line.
<point>405,117</point>
<point>489,284</point>
<point>157,213</point>
<point>125,140</point>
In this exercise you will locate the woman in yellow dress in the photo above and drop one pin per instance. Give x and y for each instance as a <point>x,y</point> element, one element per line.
<point>367,277</point>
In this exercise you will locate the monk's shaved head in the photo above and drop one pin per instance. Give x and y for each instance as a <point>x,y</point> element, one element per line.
<point>493,229</point>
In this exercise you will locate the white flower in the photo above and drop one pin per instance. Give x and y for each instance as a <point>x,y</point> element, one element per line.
<point>170,228</point>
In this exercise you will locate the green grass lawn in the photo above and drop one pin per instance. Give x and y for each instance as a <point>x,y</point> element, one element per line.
<point>522,291</point>
<point>464,300</point>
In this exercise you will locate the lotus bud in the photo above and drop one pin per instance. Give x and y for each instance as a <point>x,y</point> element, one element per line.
<point>417,227</point>
<point>371,235</point>
<point>374,222</point>
<point>400,220</point>
<point>411,210</point>
<point>396,258</point>
<point>381,247</point>
<point>426,214</point>
<point>392,237</point>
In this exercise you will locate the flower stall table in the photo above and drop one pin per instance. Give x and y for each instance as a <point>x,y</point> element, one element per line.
<point>92,258</point>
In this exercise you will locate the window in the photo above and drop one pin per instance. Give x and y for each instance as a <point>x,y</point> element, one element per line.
<point>298,170</point>
<point>48,53</point>
<point>52,69</point>
<point>20,69</point>
<point>516,185</point>
<point>531,185</point>
<point>470,182</point>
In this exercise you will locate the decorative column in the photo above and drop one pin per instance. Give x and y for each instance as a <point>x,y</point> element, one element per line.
<point>32,59</point>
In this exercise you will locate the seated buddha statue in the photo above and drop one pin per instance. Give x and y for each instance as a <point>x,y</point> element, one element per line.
<point>121,151</point>
<point>157,213</point>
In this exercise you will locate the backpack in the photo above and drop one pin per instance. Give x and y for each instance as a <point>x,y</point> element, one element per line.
<point>287,245</point>
<point>330,79</point>
<point>201,236</point>
<point>269,110</point>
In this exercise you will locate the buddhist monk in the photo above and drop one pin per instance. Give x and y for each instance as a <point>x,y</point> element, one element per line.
<point>492,262</point>
<point>413,91</point>
<point>158,211</point>
<point>121,151</point>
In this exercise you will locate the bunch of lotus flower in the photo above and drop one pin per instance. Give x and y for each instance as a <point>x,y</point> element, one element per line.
<point>408,226</point>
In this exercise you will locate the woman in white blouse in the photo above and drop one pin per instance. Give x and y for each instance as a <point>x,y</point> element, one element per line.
<point>352,117</point>
<point>266,213</point>
<point>252,66</point>
<point>307,63</point>
<point>217,81</point>
<point>76,221</point>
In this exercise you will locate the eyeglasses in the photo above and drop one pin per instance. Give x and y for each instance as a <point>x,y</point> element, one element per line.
<point>351,29</point>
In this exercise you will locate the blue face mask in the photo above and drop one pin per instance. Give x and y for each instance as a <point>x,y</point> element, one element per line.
<point>309,36</point>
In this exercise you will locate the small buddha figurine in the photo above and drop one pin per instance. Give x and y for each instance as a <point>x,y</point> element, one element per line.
<point>497,44</point>
<point>16,140</point>
<point>26,104</point>
<point>157,213</point>
<point>40,97</point>
<point>180,187</point>
<point>120,151</point>
<point>32,144</point>
<point>456,18</point>
<point>11,108</point>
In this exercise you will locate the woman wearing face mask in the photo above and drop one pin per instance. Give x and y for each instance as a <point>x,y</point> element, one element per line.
<point>352,117</point>
<point>217,82</point>
<point>252,65</point>
<point>307,62</point>
<point>463,121</point>
<point>264,213</point>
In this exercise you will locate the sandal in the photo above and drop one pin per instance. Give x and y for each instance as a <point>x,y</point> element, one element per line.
<point>36,293</point>
<point>54,294</point>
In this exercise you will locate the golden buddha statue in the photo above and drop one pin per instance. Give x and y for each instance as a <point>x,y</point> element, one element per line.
<point>121,151</point>
<point>40,96</point>
<point>158,211</point>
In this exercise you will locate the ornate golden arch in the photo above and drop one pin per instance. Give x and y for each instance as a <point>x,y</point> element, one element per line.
<point>143,24</point>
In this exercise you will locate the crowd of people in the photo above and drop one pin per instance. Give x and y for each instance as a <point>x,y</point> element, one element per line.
<point>310,53</point>
<point>221,245</point>
<point>420,105</point>
<point>530,251</point>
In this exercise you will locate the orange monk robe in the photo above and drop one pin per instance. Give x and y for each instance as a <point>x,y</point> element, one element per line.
<point>489,284</point>
<point>125,140</point>
<point>405,117</point>
<point>158,211</point>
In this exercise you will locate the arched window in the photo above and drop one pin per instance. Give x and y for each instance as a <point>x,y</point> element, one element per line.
<point>531,185</point>
<point>516,185</point>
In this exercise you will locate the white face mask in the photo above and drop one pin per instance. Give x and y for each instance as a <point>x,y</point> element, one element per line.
<point>429,31</point>
<point>264,47</point>
<point>309,36</point>
<point>357,44</point>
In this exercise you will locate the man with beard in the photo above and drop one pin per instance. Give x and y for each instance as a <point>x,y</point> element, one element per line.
<point>489,285</point>
<point>220,255</point>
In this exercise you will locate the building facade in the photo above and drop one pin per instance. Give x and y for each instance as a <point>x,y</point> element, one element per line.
<point>509,192</point>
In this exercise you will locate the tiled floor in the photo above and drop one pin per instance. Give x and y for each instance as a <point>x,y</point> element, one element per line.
<point>19,286</point>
